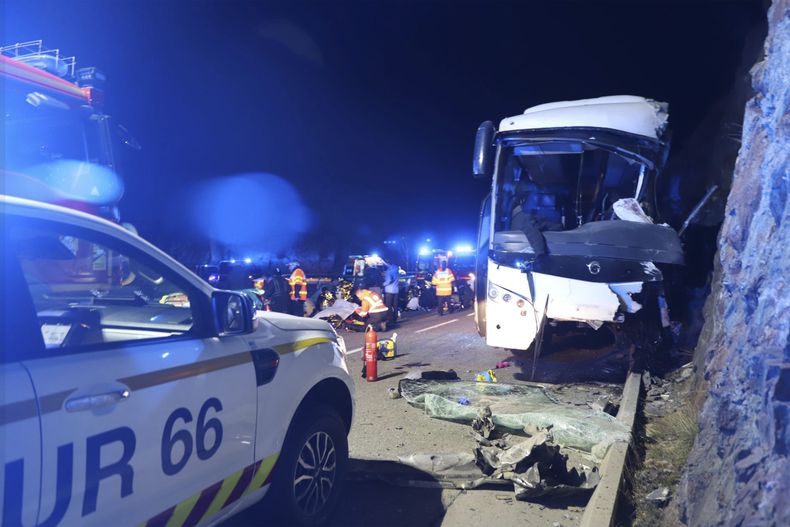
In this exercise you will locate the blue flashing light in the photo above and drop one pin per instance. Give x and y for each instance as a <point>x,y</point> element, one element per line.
<point>374,255</point>
<point>424,251</point>
<point>248,260</point>
<point>233,260</point>
<point>463,249</point>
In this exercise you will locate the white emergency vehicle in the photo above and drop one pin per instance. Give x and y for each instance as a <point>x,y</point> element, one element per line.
<point>133,393</point>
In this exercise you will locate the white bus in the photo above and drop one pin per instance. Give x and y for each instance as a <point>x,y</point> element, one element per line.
<point>569,235</point>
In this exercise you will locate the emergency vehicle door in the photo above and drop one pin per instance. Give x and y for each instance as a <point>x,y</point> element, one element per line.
<point>146,412</point>
<point>20,433</point>
<point>20,447</point>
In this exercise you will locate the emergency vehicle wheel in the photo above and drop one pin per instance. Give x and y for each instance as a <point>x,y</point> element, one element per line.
<point>311,468</point>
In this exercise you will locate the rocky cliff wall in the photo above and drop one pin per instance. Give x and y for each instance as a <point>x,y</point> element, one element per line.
<point>739,468</point>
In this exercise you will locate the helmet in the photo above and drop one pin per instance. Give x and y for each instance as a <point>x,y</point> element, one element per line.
<point>292,266</point>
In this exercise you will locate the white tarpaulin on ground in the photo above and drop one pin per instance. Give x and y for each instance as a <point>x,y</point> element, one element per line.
<point>341,308</point>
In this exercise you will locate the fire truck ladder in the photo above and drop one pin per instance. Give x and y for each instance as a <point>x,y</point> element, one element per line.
<point>36,54</point>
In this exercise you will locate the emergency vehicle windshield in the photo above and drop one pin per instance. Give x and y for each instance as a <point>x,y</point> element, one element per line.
<point>43,127</point>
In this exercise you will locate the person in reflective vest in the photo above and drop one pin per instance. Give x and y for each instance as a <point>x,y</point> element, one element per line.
<point>297,280</point>
<point>443,280</point>
<point>373,310</point>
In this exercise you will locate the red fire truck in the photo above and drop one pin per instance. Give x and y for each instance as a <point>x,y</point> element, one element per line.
<point>58,142</point>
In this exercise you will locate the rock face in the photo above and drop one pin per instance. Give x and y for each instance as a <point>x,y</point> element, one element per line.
<point>739,468</point>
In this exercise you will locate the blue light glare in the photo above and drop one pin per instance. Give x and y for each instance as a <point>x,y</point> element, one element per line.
<point>424,251</point>
<point>80,181</point>
<point>463,249</point>
<point>248,260</point>
<point>246,212</point>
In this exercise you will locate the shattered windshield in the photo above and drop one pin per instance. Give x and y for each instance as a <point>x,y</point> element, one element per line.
<point>560,185</point>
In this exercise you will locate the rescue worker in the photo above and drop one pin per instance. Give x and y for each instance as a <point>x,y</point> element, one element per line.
<point>443,280</point>
<point>297,279</point>
<point>372,310</point>
<point>391,285</point>
<point>276,292</point>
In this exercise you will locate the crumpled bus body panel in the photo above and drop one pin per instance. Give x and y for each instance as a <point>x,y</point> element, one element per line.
<point>514,326</point>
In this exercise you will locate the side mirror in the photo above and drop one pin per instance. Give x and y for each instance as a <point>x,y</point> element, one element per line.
<point>233,313</point>
<point>481,164</point>
<point>126,137</point>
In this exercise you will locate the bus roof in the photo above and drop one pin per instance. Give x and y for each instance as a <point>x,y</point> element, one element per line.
<point>625,113</point>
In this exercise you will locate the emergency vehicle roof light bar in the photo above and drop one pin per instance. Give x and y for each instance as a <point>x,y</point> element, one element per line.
<point>36,54</point>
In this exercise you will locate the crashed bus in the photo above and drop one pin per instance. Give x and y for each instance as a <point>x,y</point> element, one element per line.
<point>569,235</point>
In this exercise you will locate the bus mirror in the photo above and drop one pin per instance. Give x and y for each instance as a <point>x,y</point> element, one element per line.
<point>481,165</point>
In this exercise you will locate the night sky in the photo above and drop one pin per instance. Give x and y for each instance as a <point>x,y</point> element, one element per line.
<point>369,108</point>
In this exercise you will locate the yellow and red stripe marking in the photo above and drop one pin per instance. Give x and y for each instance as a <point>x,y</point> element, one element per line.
<point>212,499</point>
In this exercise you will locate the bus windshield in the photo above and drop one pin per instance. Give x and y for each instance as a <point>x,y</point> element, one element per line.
<point>561,185</point>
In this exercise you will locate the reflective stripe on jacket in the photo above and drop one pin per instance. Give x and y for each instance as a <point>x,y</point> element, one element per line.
<point>298,279</point>
<point>443,281</point>
<point>371,303</point>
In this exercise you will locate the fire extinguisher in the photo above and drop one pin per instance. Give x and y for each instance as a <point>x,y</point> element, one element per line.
<point>369,368</point>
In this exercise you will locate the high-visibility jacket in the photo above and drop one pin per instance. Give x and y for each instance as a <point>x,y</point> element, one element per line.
<point>371,303</point>
<point>298,279</point>
<point>443,281</point>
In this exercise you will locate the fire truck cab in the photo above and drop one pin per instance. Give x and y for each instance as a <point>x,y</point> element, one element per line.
<point>58,142</point>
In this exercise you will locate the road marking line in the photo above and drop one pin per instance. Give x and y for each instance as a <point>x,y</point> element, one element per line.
<point>357,350</point>
<point>437,325</point>
<point>470,315</point>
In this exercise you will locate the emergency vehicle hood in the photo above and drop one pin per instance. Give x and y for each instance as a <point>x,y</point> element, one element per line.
<point>292,323</point>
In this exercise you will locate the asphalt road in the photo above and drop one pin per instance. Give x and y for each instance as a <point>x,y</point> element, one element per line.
<point>386,428</point>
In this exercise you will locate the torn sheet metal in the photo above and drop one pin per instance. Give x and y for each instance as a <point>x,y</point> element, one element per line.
<point>624,292</point>
<point>628,209</point>
<point>650,270</point>
<point>535,466</point>
<point>516,407</point>
<point>576,300</point>
<point>444,465</point>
